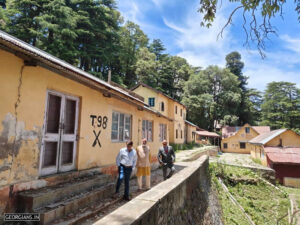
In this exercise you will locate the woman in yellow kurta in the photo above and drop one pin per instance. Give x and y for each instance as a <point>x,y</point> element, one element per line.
<point>143,164</point>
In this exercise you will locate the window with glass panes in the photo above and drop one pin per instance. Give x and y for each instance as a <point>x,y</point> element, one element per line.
<point>147,129</point>
<point>162,132</point>
<point>121,127</point>
<point>151,102</point>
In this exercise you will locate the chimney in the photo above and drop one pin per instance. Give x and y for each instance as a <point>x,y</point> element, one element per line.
<point>109,76</point>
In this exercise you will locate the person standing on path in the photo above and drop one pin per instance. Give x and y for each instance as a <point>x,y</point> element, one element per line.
<point>143,165</point>
<point>166,158</point>
<point>126,162</point>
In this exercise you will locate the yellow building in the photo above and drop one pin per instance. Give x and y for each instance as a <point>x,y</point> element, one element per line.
<point>190,132</point>
<point>280,150</point>
<point>56,118</point>
<point>167,106</point>
<point>282,138</point>
<point>235,139</point>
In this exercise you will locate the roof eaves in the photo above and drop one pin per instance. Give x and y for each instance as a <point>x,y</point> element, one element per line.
<point>157,91</point>
<point>157,113</point>
<point>191,123</point>
<point>20,46</point>
<point>266,140</point>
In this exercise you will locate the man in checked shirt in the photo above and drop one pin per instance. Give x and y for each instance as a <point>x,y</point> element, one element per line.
<point>126,161</point>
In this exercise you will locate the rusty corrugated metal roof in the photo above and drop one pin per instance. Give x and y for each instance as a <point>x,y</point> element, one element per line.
<point>230,131</point>
<point>279,155</point>
<point>207,133</point>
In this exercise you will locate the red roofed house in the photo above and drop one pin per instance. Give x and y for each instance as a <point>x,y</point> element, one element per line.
<point>234,139</point>
<point>280,150</point>
<point>207,137</point>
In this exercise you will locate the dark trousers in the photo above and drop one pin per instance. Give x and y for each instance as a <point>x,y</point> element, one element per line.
<point>124,174</point>
<point>165,170</point>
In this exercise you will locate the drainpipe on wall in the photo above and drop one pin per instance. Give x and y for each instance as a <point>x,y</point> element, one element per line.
<point>109,76</point>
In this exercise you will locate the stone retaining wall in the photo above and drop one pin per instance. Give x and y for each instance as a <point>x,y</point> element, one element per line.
<point>185,198</point>
<point>266,173</point>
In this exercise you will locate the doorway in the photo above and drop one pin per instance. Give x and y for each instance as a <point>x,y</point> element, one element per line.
<point>59,142</point>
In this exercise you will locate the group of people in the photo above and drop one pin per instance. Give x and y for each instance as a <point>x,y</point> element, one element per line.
<point>129,158</point>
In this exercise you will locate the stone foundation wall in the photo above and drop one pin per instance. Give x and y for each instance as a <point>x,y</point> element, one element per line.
<point>185,198</point>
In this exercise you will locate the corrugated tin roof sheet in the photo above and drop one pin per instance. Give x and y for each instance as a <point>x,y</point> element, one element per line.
<point>190,123</point>
<point>266,137</point>
<point>207,133</point>
<point>54,62</point>
<point>279,155</point>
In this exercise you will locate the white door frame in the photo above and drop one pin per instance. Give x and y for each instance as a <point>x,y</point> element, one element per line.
<point>59,137</point>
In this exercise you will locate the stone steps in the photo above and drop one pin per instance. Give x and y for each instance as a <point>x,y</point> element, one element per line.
<point>86,213</point>
<point>34,199</point>
<point>64,200</point>
<point>74,205</point>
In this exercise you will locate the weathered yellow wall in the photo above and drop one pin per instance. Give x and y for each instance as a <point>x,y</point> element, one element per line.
<point>289,139</point>
<point>233,142</point>
<point>258,152</point>
<point>30,119</point>
<point>178,123</point>
<point>291,182</point>
<point>190,130</point>
<point>148,93</point>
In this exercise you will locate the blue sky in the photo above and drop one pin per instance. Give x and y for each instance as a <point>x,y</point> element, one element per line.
<point>177,24</point>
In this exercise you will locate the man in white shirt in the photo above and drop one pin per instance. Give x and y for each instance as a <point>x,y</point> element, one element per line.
<point>126,161</point>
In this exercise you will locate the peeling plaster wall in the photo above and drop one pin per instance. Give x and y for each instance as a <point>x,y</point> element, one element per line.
<point>22,111</point>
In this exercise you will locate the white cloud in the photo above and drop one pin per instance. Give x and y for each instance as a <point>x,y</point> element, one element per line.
<point>291,43</point>
<point>130,11</point>
<point>181,33</point>
<point>276,67</point>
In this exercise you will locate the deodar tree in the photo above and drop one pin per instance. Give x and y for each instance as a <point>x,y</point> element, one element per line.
<point>281,106</point>
<point>212,95</point>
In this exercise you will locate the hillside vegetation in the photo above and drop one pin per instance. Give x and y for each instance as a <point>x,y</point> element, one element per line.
<point>264,203</point>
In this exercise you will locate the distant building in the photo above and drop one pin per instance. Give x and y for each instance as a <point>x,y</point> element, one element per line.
<point>280,150</point>
<point>234,139</point>
<point>168,107</point>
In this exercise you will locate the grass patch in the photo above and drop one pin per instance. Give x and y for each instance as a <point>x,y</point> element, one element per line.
<point>290,190</point>
<point>257,161</point>
<point>232,215</point>
<point>187,146</point>
<point>262,202</point>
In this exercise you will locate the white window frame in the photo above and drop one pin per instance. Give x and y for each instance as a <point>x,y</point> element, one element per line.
<point>126,116</point>
<point>146,125</point>
<point>59,137</point>
<point>162,132</point>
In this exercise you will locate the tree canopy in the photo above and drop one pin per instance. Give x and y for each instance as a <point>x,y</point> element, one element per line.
<point>256,17</point>
<point>92,35</point>
<point>281,105</point>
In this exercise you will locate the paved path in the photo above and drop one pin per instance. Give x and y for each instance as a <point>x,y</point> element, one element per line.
<point>188,155</point>
<point>156,177</point>
<point>239,160</point>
